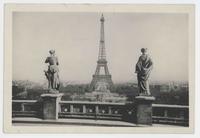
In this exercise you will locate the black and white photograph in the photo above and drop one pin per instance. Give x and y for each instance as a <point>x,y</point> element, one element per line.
<point>99,68</point>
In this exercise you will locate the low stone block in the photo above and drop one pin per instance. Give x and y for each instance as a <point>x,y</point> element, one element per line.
<point>144,109</point>
<point>51,105</point>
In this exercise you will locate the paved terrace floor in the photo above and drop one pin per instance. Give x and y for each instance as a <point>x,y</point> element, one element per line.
<point>29,121</point>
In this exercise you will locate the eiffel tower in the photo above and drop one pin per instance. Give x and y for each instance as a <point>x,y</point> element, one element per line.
<point>101,63</point>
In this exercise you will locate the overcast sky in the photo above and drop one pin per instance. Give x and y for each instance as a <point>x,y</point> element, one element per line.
<point>75,38</point>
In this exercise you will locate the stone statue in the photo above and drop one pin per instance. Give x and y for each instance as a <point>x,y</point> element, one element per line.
<point>143,69</point>
<point>52,72</point>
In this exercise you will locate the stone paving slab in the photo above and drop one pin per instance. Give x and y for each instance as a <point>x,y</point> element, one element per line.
<point>30,121</point>
<point>82,122</point>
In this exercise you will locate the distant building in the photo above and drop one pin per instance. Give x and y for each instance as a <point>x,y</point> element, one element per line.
<point>164,88</point>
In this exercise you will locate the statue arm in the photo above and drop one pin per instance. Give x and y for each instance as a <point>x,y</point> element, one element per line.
<point>148,69</point>
<point>47,60</point>
<point>137,66</point>
<point>150,63</point>
<point>57,63</point>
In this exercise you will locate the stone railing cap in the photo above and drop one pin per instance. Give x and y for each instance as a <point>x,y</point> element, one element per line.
<point>52,95</point>
<point>149,98</point>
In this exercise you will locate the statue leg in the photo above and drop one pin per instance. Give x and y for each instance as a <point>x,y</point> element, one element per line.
<point>143,87</point>
<point>147,87</point>
<point>51,81</point>
<point>55,80</point>
<point>139,84</point>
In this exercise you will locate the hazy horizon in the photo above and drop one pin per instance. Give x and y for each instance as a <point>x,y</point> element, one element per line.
<point>88,82</point>
<point>75,38</point>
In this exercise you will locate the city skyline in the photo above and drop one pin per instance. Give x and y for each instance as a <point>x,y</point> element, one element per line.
<point>75,38</point>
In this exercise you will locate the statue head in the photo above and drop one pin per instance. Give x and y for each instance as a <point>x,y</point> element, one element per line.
<point>144,50</point>
<point>52,52</point>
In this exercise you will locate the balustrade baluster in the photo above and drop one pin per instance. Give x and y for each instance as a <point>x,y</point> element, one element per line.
<point>84,109</point>
<point>109,110</point>
<point>59,108</point>
<point>96,109</point>
<point>181,114</point>
<point>71,108</point>
<point>165,113</point>
<point>22,107</point>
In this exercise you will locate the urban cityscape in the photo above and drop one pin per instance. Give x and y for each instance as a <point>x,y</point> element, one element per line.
<point>137,102</point>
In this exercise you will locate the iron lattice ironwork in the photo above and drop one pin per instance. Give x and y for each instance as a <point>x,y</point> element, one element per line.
<point>102,63</point>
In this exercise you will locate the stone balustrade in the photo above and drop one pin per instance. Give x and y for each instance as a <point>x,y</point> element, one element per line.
<point>162,113</point>
<point>94,110</point>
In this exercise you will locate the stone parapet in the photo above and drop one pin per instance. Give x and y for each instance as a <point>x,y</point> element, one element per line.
<point>144,109</point>
<point>51,105</point>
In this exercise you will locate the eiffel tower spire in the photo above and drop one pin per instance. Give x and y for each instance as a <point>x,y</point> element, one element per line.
<point>102,52</point>
<point>101,63</point>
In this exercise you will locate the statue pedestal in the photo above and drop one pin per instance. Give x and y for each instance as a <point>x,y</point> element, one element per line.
<point>51,105</point>
<point>144,109</point>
